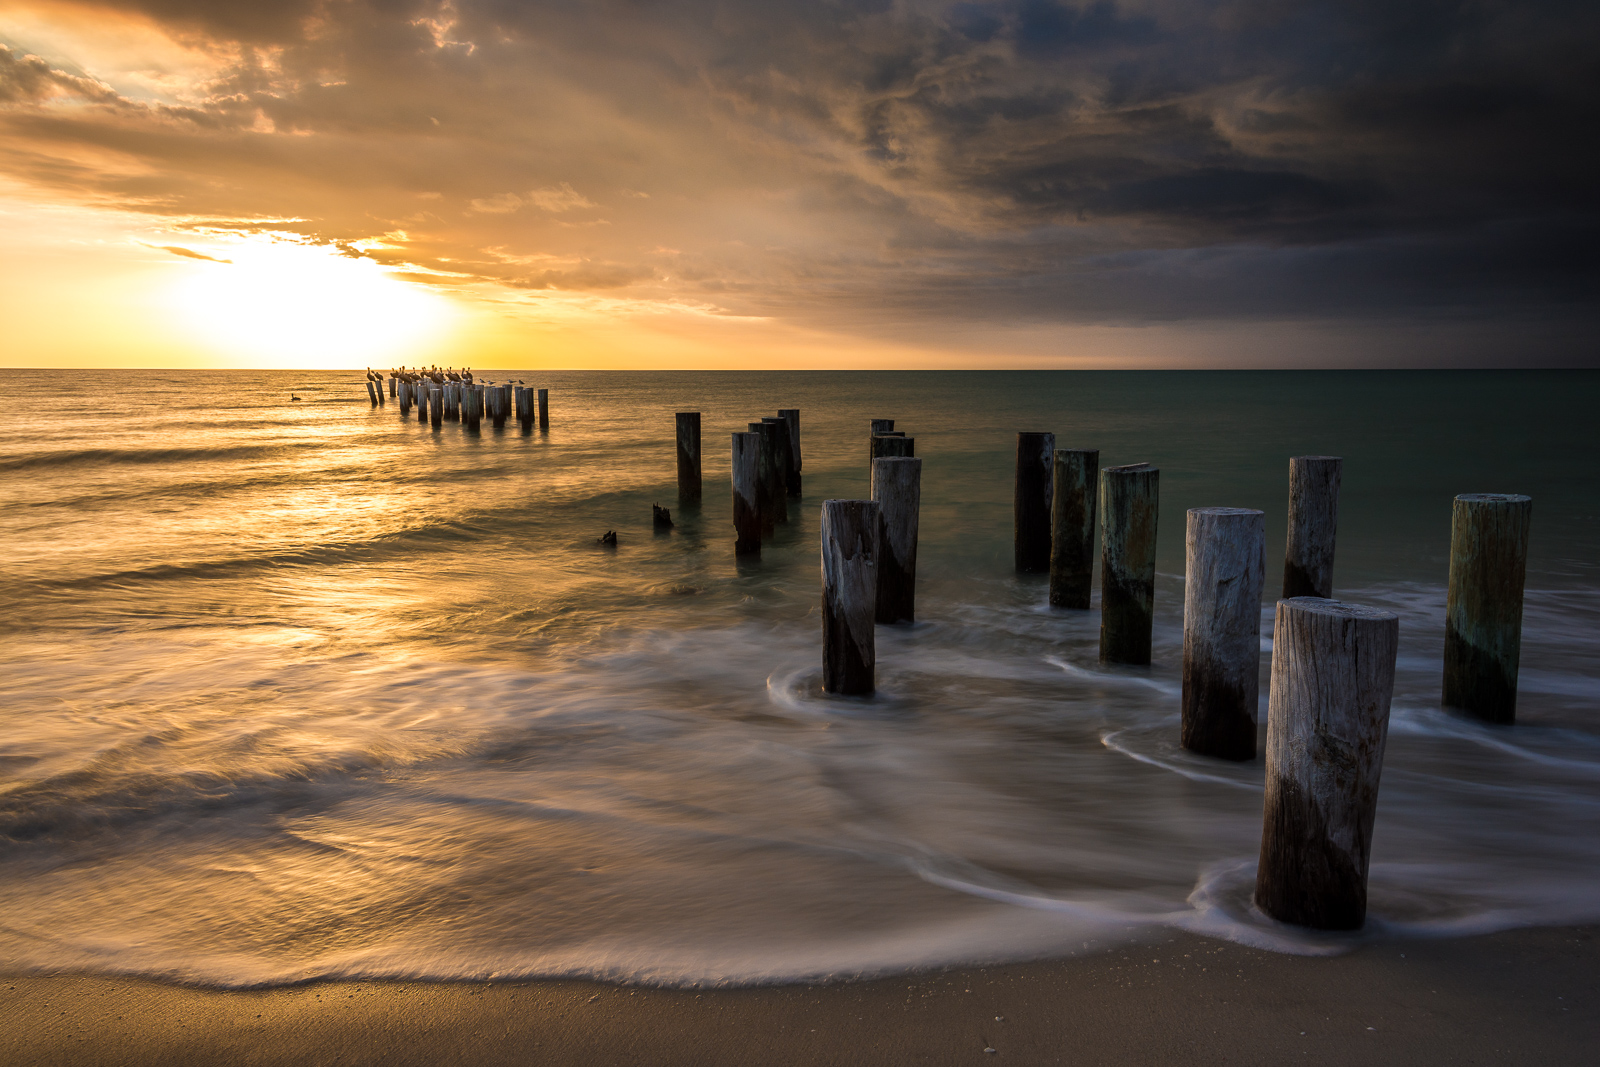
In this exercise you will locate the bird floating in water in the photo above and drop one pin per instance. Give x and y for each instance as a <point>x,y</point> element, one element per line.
<point>293,397</point>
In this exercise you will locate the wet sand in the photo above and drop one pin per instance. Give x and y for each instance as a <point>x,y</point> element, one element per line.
<point>1526,996</point>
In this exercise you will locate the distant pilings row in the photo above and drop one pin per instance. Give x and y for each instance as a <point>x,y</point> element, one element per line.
<point>462,400</point>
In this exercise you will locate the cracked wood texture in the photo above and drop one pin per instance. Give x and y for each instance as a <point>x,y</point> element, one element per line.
<point>1129,501</point>
<point>1072,516</point>
<point>1483,610</point>
<point>897,490</point>
<point>849,596</point>
<point>746,469</point>
<point>1031,504</point>
<point>1313,522</point>
<point>1327,720</point>
<point>1225,570</point>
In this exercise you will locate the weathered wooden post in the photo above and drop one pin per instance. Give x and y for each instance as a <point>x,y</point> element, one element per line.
<point>778,429</point>
<point>791,416</point>
<point>436,406</point>
<point>372,394</point>
<point>1313,522</point>
<point>764,469</point>
<point>1483,611</point>
<point>1031,507</point>
<point>1327,721</point>
<point>525,413</point>
<point>452,401</point>
<point>1226,550</point>
<point>422,401</point>
<point>849,595</point>
<point>886,445</point>
<point>544,409</point>
<point>897,490</point>
<point>502,404</point>
<point>746,469</point>
<point>882,426</point>
<point>403,395</point>
<point>1073,492</point>
<point>392,393</point>
<point>688,427</point>
<point>472,403</point>
<point>1129,498</point>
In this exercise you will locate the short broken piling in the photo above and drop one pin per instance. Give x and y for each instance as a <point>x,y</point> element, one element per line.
<point>849,596</point>
<point>1313,523</point>
<point>1327,721</point>
<point>1226,566</point>
<point>1129,497</point>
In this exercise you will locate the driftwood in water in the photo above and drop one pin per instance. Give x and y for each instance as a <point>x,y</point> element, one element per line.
<point>1129,496</point>
<point>1327,721</point>
<point>688,435</point>
<point>897,490</point>
<point>1483,611</point>
<point>849,595</point>
<point>791,417</point>
<point>1313,524</point>
<point>1073,492</point>
<point>1031,502</point>
<point>609,539</point>
<point>1225,569</point>
<point>746,470</point>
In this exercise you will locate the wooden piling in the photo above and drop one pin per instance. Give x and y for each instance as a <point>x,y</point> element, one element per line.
<point>1226,567</point>
<point>889,445</point>
<point>1313,522</point>
<point>882,426</point>
<point>1129,498</point>
<point>1483,610</point>
<point>472,404</point>
<point>778,429</point>
<point>688,433</point>
<point>897,490</point>
<point>1073,491</point>
<point>403,394</point>
<point>1327,721</point>
<point>544,409</point>
<point>525,412</point>
<point>764,474</point>
<point>849,595</point>
<point>502,404</point>
<point>791,417</point>
<point>422,401</point>
<point>746,468</point>
<point>372,394</point>
<point>1031,503</point>
<point>392,392</point>
<point>436,406</point>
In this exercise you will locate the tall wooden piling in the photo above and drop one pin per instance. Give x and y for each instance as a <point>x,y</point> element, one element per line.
<point>746,468</point>
<point>544,409</point>
<point>1226,567</point>
<point>525,412</point>
<point>1313,522</point>
<point>688,456</point>
<point>897,490</point>
<point>392,393</point>
<point>1031,504</point>
<point>849,595</point>
<point>422,401</point>
<point>372,394</point>
<point>502,404</point>
<point>1483,611</point>
<point>1327,721</point>
<point>403,394</point>
<point>472,404</point>
<point>887,445</point>
<point>1129,498</point>
<point>436,406</point>
<point>778,429</point>
<point>764,474</point>
<point>791,417</point>
<point>1074,489</point>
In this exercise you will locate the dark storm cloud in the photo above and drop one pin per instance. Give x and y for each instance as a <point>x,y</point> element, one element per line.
<point>1028,159</point>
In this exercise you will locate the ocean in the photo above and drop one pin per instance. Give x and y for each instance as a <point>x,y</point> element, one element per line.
<point>300,689</point>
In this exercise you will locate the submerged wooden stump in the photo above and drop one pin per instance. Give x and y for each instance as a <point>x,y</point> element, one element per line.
<point>746,469</point>
<point>1073,492</point>
<point>1031,503</point>
<point>791,418</point>
<point>1327,721</point>
<point>849,595</point>
<point>1226,567</point>
<point>1483,611</point>
<point>688,436</point>
<point>897,490</point>
<point>1129,498</point>
<point>1313,522</point>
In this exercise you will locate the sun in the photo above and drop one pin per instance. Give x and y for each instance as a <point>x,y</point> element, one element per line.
<point>284,303</point>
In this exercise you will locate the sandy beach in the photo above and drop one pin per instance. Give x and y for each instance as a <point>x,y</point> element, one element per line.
<point>1526,996</point>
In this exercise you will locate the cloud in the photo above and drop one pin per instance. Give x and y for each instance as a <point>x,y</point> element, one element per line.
<point>866,162</point>
<point>188,253</point>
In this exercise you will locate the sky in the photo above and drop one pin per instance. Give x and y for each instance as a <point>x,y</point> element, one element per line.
<point>800,183</point>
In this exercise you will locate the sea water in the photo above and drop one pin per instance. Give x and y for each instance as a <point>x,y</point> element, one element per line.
<point>298,688</point>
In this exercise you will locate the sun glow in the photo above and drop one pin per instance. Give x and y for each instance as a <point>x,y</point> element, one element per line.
<point>291,304</point>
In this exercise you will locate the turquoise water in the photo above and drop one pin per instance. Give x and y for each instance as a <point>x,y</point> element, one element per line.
<point>299,688</point>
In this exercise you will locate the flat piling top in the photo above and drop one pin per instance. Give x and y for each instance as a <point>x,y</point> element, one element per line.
<point>1493,498</point>
<point>1226,511</point>
<point>1128,468</point>
<point>1337,608</point>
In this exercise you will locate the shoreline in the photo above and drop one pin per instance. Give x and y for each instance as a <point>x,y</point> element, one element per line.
<point>1519,996</point>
